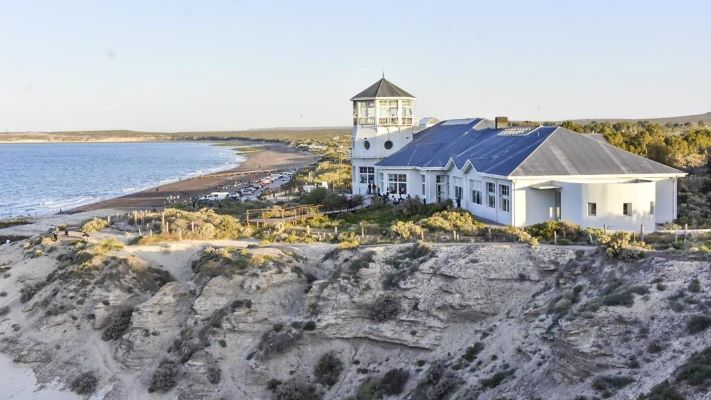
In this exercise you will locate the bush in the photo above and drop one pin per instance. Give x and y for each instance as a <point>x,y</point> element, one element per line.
<point>4,310</point>
<point>384,308</point>
<point>449,220</point>
<point>407,229</point>
<point>348,240</point>
<point>29,291</point>
<point>608,385</point>
<point>662,391</point>
<point>695,285</point>
<point>546,230</point>
<point>394,381</point>
<point>327,369</point>
<point>164,377</point>
<point>472,351</point>
<point>296,390</point>
<point>698,323</point>
<point>118,325</point>
<point>84,383</point>
<point>697,370</point>
<point>94,225</point>
<point>214,375</point>
<point>309,326</point>
<point>496,379</point>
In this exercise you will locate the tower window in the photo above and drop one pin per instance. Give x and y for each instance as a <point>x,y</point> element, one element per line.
<point>592,209</point>
<point>366,144</point>
<point>389,144</point>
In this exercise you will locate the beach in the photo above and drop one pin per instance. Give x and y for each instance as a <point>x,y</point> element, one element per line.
<point>261,160</point>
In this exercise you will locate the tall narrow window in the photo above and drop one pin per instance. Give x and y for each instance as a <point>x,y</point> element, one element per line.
<point>505,198</point>
<point>423,184</point>
<point>491,193</point>
<point>651,208</point>
<point>476,192</point>
<point>627,208</point>
<point>592,209</point>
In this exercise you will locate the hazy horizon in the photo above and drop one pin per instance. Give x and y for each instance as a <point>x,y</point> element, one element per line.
<point>184,66</point>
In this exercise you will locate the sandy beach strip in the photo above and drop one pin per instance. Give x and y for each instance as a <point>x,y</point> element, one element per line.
<point>269,157</point>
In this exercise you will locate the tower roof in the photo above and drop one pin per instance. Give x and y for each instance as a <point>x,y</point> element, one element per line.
<point>382,88</point>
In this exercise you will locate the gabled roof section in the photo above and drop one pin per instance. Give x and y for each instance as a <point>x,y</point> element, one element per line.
<point>533,151</point>
<point>382,88</point>
<point>570,153</point>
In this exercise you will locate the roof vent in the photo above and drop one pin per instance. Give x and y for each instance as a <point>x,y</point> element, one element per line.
<point>501,122</point>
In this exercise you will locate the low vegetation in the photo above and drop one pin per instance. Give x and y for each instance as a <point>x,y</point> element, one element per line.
<point>385,308</point>
<point>328,369</point>
<point>84,384</point>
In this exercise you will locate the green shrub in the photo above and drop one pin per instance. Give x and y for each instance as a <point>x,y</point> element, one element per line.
<point>472,351</point>
<point>608,385</point>
<point>695,285</point>
<point>164,377</point>
<point>496,379</point>
<point>118,325</point>
<point>698,323</point>
<point>94,225</point>
<point>393,382</point>
<point>449,220</point>
<point>296,390</point>
<point>407,229</point>
<point>662,391</point>
<point>564,230</point>
<point>697,370</point>
<point>84,383</point>
<point>384,308</point>
<point>328,369</point>
<point>309,326</point>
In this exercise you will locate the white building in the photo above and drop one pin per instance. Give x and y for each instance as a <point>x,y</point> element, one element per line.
<point>511,175</point>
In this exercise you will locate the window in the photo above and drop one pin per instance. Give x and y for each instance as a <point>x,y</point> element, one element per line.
<point>387,112</point>
<point>491,193</point>
<point>627,208</point>
<point>505,198</point>
<point>364,112</point>
<point>388,144</point>
<point>592,209</point>
<point>397,183</point>
<point>651,208</point>
<point>476,191</point>
<point>406,112</point>
<point>366,144</point>
<point>367,174</point>
<point>458,192</point>
<point>423,184</point>
<point>442,187</point>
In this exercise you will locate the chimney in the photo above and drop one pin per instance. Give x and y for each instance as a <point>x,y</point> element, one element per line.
<point>501,122</point>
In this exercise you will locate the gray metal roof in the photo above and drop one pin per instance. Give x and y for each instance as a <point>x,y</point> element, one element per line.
<point>518,151</point>
<point>382,88</point>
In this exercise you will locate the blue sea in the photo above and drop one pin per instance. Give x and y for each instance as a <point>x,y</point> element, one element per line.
<point>40,179</point>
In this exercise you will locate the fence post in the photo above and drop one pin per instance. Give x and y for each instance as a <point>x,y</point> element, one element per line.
<point>641,232</point>
<point>335,230</point>
<point>555,237</point>
<point>604,229</point>
<point>139,232</point>
<point>488,234</point>
<point>686,229</point>
<point>422,235</point>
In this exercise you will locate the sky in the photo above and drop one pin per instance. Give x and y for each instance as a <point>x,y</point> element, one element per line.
<point>229,65</point>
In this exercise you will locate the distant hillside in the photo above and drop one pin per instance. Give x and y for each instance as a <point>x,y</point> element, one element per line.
<point>673,120</point>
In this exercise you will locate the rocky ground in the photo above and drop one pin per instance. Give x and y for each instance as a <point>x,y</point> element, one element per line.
<point>229,319</point>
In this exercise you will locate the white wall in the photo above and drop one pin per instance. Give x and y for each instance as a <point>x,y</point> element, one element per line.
<point>609,194</point>
<point>666,210</point>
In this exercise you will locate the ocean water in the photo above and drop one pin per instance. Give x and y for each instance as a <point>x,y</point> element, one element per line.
<point>40,179</point>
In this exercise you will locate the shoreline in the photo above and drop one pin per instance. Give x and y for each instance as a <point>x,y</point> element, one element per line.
<point>271,156</point>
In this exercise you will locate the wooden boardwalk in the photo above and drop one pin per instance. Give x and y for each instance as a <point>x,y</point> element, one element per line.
<point>278,215</point>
